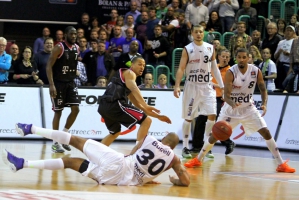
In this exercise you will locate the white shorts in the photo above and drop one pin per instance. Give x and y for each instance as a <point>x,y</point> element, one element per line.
<point>249,117</point>
<point>198,99</point>
<point>105,164</point>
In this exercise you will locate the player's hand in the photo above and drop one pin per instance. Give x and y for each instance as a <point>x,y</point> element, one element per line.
<point>264,108</point>
<point>150,109</point>
<point>164,118</point>
<point>177,92</point>
<point>53,92</point>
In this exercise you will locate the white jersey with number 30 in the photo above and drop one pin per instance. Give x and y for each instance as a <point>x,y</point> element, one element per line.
<point>198,69</point>
<point>151,159</point>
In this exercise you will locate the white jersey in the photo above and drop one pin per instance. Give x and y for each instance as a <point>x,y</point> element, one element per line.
<point>244,85</point>
<point>198,69</point>
<point>150,160</point>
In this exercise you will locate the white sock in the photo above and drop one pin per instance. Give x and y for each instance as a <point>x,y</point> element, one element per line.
<point>58,136</point>
<point>209,126</point>
<point>271,144</point>
<point>65,130</point>
<point>186,133</point>
<point>52,164</point>
<point>205,149</point>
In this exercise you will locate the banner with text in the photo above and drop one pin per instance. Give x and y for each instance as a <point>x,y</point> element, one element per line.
<point>288,137</point>
<point>18,104</point>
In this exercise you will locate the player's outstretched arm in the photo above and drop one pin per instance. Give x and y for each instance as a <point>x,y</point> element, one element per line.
<point>180,74</point>
<point>183,176</point>
<point>263,91</point>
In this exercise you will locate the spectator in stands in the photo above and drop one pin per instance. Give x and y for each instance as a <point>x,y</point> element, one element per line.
<point>14,52</point>
<point>5,61</point>
<point>214,23</point>
<point>181,32</point>
<point>156,50</point>
<point>295,23</point>
<point>88,58</point>
<point>39,42</point>
<point>99,65</point>
<point>111,23</point>
<point>289,84</point>
<point>95,24</point>
<point>116,43</point>
<point>175,4</point>
<point>239,43</point>
<point>246,10</point>
<point>208,35</point>
<point>209,4</point>
<point>246,39</point>
<point>256,55</point>
<point>104,38</point>
<point>129,24</point>
<point>226,12</point>
<point>151,23</point>
<point>58,37</point>
<point>133,12</point>
<point>162,82</point>
<point>256,39</point>
<point>83,48</point>
<point>281,27</point>
<point>81,78</point>
<point>148,82</point>
<point>162,10</point>
<point>101,81</point>
<point>144,8</point>
<point>94,35</point>
<point>156,4</point>
<point>42,58</point>
<point>25,69</point>
<point>282,55</point>
<point>80,34</point>
<point>125,59</point>
<point>140,28</point>
<point>272,39</point>
<point>168,24</point>
<point>85,25</point>
<point>268,69</point>
<point>195,13</point>
<point>126,44</point>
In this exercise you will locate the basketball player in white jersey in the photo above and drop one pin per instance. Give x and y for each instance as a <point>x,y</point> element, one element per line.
<point>240,81</point>
<point>147,160</point>
<point>199,97</point>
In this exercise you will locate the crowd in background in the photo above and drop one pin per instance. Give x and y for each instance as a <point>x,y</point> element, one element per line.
<point>153,29</point>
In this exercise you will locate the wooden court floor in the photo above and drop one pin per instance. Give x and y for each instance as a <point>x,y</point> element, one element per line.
<point>244,175</point>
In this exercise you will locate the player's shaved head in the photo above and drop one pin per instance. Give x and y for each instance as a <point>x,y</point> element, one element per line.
<point>171,140</point>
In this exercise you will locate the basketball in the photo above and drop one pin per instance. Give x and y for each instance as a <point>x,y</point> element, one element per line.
<point>222,130</point>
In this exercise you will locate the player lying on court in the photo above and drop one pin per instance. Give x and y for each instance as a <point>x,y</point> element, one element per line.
<point>148,159</point>
<point>240,81</point>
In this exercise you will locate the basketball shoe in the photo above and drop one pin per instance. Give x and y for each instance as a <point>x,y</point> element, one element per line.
<point>12,161</point>
<point>229,147</point>
<point>66,147</point>
<point>193,163</point>
<point>210,154</point>
<point>23,129</point>
<point>56,148</point>
<point>284,167</point>
<point>186,153</point>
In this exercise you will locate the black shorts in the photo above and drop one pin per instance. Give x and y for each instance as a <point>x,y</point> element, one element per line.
<point>119,113</point>
<point>67,95</point>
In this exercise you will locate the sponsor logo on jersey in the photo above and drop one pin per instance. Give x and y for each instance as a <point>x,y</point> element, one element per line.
<point>236,87</point>
<point>253,74</point>
<point>209,48</point>
<point>194,61</point>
